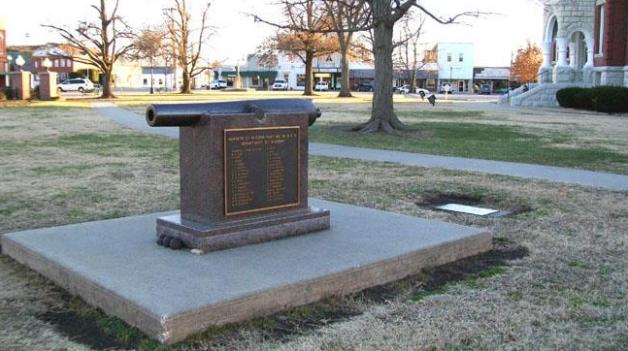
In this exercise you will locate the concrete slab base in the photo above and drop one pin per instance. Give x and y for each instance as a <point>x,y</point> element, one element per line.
<point>117,266</point>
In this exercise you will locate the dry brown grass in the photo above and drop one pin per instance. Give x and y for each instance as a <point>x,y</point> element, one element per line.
<point>569,293</point>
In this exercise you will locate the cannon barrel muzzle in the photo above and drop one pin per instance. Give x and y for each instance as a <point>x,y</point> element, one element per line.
<point>186,115</point>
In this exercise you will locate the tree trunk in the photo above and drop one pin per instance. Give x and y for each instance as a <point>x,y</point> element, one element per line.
<point>107,87</point>
<point>185,87</point>
<point>413,80</point>
<point>345,89</point>
<point>383,116</point>
<point>309,77</point>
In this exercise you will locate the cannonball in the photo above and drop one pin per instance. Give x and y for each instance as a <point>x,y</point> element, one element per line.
<point>176,244</point>
<point>166,241</point>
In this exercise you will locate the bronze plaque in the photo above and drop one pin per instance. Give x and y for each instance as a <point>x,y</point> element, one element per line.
<point>262,169</point>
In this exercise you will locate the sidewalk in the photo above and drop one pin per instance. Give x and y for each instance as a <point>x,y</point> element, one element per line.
<point>522,170</point>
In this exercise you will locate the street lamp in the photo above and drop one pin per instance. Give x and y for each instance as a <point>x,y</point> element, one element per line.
<point>19,61</point>
<point>46,64</point>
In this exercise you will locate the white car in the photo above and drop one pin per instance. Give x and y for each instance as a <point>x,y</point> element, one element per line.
<point>321,86</point>
<point>280,84</point>
<point>404,89</point>
<point>218,84</point>
<point>76,84</point>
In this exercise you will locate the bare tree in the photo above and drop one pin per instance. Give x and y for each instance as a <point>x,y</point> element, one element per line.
<point>266,53</point>
<point>383,15</point>
<point>302,36</point>
<point>149,45</point>
<point>346,14</point>
<point>408,47</point>
<point>101,43</point>
<point>188,51</point>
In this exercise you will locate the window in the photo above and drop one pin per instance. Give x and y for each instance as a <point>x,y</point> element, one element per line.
<point>36,64</point>
<point>461,57</point>
<point>55,63</point>
<point>600,29</point>
<point>68,63</point>
<point>61,63</point>
<point>145,81</point>
<point>300,80</point>
<point>448,57</point>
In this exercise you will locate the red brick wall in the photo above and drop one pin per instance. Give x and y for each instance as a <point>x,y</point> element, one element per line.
<point>615,34</point>
<point>3,49</point>
<point>58,69</point>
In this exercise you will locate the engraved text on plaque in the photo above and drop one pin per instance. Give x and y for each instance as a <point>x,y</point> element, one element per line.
<point>261,169</point>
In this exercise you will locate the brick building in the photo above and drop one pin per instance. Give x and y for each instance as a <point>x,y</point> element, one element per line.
<point>584,44</point>
<point>610,59</point>
<point>58,54</point>
<point>3,55</point>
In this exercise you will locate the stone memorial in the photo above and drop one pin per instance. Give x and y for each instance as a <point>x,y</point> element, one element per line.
<point>243,169</point>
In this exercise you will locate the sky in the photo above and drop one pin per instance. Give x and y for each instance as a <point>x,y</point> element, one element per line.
<point>506,26</point>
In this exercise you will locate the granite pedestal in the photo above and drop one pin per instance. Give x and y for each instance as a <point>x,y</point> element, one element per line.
<point>117,266</point>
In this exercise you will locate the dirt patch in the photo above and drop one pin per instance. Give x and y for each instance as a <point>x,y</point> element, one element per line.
<point>80,329</point>
<point>433,280</point>
<point>507,207</point>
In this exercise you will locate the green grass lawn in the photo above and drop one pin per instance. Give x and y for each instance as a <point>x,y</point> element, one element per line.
<point>549,137</point>
<point>483,141</point>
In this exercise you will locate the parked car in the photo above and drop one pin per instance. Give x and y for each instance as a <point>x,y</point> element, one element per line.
<point>365,87</point>
<point>485,89</point>
<point>446,89</point>
<point>404,89</point>
<point>280,84</point>
<point>82,85</point>
<point>218,84</point>
<point>321,86</point>
<point>502,91</point>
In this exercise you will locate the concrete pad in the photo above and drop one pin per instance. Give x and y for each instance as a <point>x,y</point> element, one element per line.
<point>117,266</point>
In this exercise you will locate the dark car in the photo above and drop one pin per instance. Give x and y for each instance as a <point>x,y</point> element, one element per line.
<point>485,89</point>
<point>365,87</point>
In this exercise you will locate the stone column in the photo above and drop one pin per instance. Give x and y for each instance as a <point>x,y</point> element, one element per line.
<point>48,85</point>
<point>563,73</point>
<point>545,72</point>
<point>587,70</point>
<point>21,84</point>
<point>563,45</point>
<point>573,53</point>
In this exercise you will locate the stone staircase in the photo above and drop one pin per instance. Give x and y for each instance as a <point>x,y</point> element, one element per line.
<point>539,95</point>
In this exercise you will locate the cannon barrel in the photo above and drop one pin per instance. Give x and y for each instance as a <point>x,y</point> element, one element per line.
<point>185,115</point>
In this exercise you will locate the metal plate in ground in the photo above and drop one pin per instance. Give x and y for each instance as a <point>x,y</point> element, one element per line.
<point>478,211</point>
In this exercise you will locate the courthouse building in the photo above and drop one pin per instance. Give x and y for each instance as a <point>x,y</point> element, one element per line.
<point>3,56</point>
<point>584,44</point>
